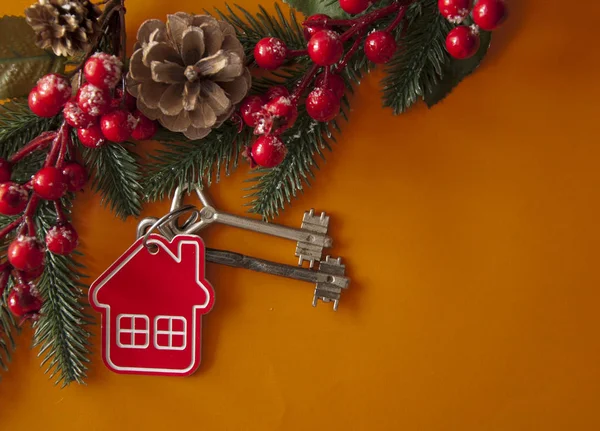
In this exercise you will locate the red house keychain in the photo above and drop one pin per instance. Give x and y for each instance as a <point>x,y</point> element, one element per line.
<point>152,300</point>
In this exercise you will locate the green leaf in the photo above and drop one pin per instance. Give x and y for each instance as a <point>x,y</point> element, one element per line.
<point>455,71</point>
<point>22,63</point>
<point>310,7</point>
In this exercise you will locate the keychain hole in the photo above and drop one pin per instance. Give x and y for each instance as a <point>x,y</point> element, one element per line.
<point>152,248</point>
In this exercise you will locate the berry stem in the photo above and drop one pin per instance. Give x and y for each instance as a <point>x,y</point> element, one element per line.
<point>397,20</point>
<point>29,212</point>
<point>62,154</point>
<point>62,135</point>
<point>60,213</point>
<point>357,43</point>
<point>308,77</point>
<point>365,21</point>
<point>36,144</point>
<point>10,227</point>
<point>297,53</point>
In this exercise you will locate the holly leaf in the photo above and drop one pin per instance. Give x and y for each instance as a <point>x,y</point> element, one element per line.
<point>455,71</point>
<point>22,63</point>
<point>311,7</point>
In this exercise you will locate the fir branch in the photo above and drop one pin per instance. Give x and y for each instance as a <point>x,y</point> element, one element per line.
<point>117,176</point>
<point>7,327</point>
<point>419,63</point>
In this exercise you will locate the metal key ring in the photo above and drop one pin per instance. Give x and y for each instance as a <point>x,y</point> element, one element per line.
<point>166,219</point>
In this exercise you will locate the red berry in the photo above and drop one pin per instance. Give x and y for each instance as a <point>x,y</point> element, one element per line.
<point>380,47</point>
<point>270,53</point>
<point>268,151</point>
<point>322,104</point>
<point>5,170</point>
<point>103,70</point>
<point>325,48</point>
<point>54,89</point>
<point>276,116</point>
<point>455,11</point>
<point>75,117</point>
<point>93,100</point>
<point>91,137</point>
<point>26,253</point>
<point>145,128</point>
<point>13,198</point>
<point>489,14</point>
<point>24,300</point>
<point>50,183</point>
<point>335,83</point>
<point>354,6</point>
<point>117,125</point>
<point>249,108</point>
<point>33,274</point>
<point>130,101</point>
<point>309,29</point>
<point>462,42</point>
<point>276,91</point>
<point>76,176</point>
<point>40,107</point>
<point>62,239</point>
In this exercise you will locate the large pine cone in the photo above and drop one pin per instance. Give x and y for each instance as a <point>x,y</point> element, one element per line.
<point>66,26</point>
<point>188,74</point>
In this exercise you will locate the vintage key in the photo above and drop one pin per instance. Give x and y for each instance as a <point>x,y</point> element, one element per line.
<point>311,238</point>
<point>329,279</point>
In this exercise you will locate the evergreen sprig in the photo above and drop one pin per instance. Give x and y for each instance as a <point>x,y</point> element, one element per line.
<point>7,327</point>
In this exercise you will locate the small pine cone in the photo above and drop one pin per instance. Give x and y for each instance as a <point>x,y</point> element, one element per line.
<point>188,73</point>
<point>65,26</point>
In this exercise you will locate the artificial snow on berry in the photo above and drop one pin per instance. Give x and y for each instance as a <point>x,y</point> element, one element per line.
<point>325,48</point>
<point>249,108</point>
<point>50,183</point>
<point>145,128</point>
<point>75,117</point>
<point>76,176</point>
<point>54,89</point>
<point>117,125</point>
<point>334,83</point>
<point>5,170</point>
<point>91,137</point>
<point>26,253</point>
<point>40,107</point>
<point>310,29</point>
<point>462,42</point>
<point>270,53</point>
<point>13,198</point>
<point>93,100</point>
<point>276,116</point>
<point>354,6</point>
<point>62,239</point>
<point>455,11</point>
<point>380,47</point>
<point>268,151</point>
<point>276,91</point>
<point>103,70</point>
<point>24,300</point>
<point>322,104</point>
<point>489,14</point>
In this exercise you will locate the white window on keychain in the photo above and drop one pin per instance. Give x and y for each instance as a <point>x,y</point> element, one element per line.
<point>170,333</point>
<point>133,331</point>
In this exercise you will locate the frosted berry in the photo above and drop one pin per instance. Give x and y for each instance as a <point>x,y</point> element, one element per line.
<point>270,53</point>
<point>40,107</point>
<point>50,183</point>
<point>462,42</point>
<point>26,253</point>
<point>91,137</point>
<point>93,100</point>
<point>276,91</point>
<point>117,125</point>
<point>54,89</point>
<point>325,48</point>
<point>75,117</point>
<point>145,128</point>
<point>103,70</point>
<point>13,198</point>
<point>354,6</point>
<point>322,104</point>
<point>249,109</point>
<point>24,301</point>
<point>380,47</point>
<point>489,14</point>
<point>455,11</point>
<point>310,29</point>
<point>335,83</point>
<point>268,151</point>
<point>5,170</point>
<point>76,176</point>
<point>276,116</point>
<point>33,274</point>
<point>62,239</point>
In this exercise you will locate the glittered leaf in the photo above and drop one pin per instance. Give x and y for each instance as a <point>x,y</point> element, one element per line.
<point>310,7</point>
<point>22,63</point>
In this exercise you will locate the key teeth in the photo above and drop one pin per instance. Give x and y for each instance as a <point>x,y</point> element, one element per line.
<point>328,291</point>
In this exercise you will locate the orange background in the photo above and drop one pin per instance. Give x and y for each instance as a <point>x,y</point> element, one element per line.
<point>471,235</point>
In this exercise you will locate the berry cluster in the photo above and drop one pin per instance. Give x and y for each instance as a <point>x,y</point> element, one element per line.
<point>463,41</point>
<point>276,111</point>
